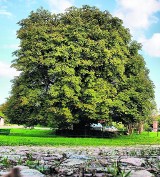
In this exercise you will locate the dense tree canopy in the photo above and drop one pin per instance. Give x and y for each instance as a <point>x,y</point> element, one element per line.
<point>78,67</point>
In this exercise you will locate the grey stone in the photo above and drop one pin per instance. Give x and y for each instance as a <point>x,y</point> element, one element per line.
<point>98,169</point>
<point>26,172</point>
<point>69,172</point>
<point>141,173</point>
<point>12,157</point>
<point>133,161</point>
<point>52,157</point>
<point>83,157</point>
<point>100,175</point>
<point>31,173</point>
<point>3,173</point>
<point>21,167</point>
<point>49,158</point>
<point>72,162</point>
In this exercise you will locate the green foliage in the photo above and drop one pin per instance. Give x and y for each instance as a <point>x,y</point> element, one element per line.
<point>158,119</point>
<point>4,131</point>
<point>78,67</point>
<point>1,114</point>
<point>118,125</point>
<point>5,162</point>
<point>2,109</point>
<point>116,171</point>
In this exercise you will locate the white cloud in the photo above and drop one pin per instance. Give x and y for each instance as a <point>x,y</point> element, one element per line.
<point>138,14</point>
<point>58,6</point>
<point>152,46</point>
<point>3,8</point>
<point>11,46</point>
<point>28,3</point>
<point>5,12</point>
<point>3,0</point>
<point>7,71</point>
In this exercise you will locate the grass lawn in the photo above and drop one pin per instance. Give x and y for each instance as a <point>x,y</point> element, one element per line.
<point>40,137</point>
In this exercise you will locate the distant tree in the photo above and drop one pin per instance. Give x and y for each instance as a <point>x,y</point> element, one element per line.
<point>2,111</point>
<point>1,114</point>
<point>77,68</point>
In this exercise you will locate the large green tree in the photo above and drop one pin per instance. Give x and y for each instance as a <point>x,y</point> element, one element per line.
<point>78,67</point>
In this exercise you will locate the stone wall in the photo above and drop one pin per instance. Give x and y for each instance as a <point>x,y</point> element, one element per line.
<point>142,161</point>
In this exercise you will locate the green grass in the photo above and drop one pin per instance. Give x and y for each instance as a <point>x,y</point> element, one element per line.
<point>31,133</point>
<point>40,137</point>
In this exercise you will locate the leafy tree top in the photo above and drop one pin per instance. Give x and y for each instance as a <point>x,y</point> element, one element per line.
<point>79,66</point>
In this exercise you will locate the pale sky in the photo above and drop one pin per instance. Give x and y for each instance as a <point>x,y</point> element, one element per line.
<point>142,17</point>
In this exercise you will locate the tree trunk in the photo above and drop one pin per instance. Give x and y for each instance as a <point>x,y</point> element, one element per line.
<point>130,129</point>
<point>140,127</point>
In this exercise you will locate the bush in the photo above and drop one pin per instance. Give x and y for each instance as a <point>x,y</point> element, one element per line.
<point>119,125</point>
<point>86,133</point>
